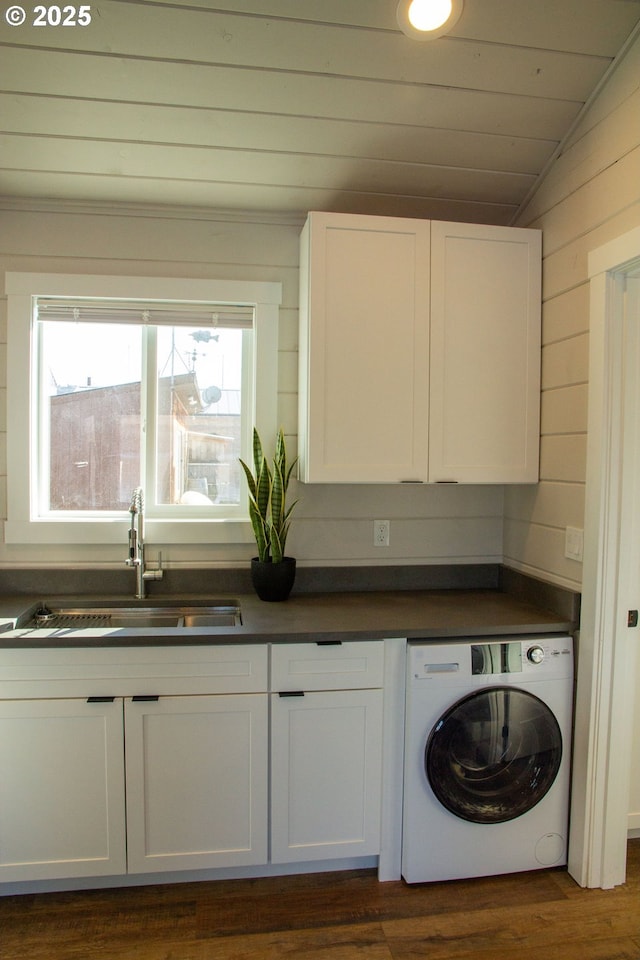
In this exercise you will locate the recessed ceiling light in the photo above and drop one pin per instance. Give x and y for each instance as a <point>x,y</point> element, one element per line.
<point>427,19</point>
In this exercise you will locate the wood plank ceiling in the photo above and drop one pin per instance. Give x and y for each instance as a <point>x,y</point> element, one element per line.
<point>284,106</point>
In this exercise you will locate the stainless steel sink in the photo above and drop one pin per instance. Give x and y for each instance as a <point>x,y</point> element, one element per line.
<point>115,616</point>
<point>214,618</point>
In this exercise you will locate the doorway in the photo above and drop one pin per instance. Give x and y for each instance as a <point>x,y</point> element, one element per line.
<point>611,576</point>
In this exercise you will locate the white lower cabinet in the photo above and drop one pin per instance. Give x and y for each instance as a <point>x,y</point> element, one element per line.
<point>97,785</point>
<point>326,750</point>
<point>326,769</point>
<point>195,779</point>
<point>196,782</point>
<point>61,789</point>
<point>168,774</point>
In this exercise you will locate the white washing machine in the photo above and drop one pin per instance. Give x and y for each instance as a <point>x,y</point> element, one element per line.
<point>487,756</point>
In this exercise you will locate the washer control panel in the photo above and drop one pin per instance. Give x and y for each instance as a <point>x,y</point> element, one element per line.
<point>488,658</point>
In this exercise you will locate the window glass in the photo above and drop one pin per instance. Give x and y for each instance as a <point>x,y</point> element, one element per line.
<point>199,423</point>
<point>90,382</point>
<point>108,421</point>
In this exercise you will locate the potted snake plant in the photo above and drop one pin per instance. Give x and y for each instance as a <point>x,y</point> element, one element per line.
<point>272,572</point>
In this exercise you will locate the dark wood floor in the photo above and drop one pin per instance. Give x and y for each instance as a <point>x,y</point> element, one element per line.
<point>541,915</point>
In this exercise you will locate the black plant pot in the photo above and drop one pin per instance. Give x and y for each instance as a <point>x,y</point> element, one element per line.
<point>273,581</point>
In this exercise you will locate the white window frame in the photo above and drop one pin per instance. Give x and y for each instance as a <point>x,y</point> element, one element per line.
<point>22,526</point>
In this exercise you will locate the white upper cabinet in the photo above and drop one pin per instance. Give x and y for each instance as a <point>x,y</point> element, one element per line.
<point>419,351</point>
<point>364,349</point>
<point>484,423</point>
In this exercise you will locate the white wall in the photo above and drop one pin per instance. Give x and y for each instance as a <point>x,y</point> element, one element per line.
<point>334,523</point>
<point>590,196</point>
<point>634,792</point>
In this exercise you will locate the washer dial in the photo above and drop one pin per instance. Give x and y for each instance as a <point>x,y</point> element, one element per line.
<point>535,654</point>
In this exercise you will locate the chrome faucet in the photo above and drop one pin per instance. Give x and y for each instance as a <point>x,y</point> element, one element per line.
<point>136,544</point>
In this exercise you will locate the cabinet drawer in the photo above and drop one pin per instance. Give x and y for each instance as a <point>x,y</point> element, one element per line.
<point>133,671</point>
<point>319,666</point>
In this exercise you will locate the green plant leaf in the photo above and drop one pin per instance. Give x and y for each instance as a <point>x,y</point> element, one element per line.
<point>277,496</point>
<point>263,490</point>
<point>277,546</point>
<point>259,531</point>
<point>251,483</point>
<point>258,456</point>
<point>289,472</point>
<point>289,512</point>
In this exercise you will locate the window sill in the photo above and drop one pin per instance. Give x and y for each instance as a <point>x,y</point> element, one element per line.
<point>103,532</point>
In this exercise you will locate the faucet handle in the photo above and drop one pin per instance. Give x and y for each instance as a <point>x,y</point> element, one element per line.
<point>155,574</point>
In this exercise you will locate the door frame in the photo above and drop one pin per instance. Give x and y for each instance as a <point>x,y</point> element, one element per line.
<point>607,646</point>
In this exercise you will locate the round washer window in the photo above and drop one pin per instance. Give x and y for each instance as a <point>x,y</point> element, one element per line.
<point>493,755</point>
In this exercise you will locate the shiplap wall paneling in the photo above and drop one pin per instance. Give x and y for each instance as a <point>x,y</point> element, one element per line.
<point>590,196</point>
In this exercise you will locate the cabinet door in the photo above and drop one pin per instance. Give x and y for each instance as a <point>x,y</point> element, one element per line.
<point>196,782</point>
<point>485,354</point>
<point>364,304</point>
<point>326,779</point>
<point>61,789</point>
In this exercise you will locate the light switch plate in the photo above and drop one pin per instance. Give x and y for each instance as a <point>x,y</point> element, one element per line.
<point>574,543</point>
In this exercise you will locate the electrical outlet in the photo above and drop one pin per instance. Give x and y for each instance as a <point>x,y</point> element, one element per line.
<point>381,533</point>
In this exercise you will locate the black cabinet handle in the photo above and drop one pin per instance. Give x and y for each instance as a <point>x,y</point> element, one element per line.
<point>291,693</point>
<point>100,699</point>
<point>145,698</point>
<point>328,643</point>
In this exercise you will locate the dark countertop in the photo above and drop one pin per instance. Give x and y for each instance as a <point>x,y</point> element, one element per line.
<point>413,614</point>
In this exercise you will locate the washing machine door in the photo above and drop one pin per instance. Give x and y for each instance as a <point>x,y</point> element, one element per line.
<point>493,755</point>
